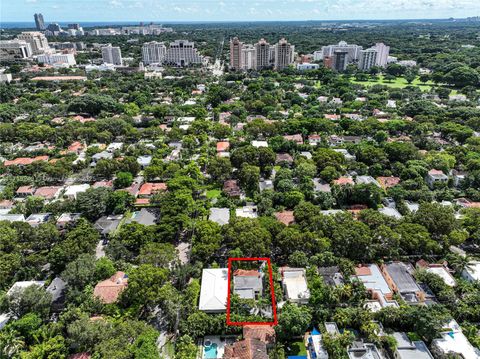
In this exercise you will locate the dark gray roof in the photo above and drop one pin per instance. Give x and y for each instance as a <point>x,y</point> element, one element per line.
<point>57,289</point>
<point>145,216</point>
<point>402,278</point>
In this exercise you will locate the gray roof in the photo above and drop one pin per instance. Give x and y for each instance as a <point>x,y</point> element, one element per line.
<point>246,286</point>
<point>407,349</point>
<point>107,224</point>
<point>402,278</point>
<point>145,216</point>
<point>219,215</point>
<point>57,288</point>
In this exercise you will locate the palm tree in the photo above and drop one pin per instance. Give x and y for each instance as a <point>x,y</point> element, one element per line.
<point>10,344</point>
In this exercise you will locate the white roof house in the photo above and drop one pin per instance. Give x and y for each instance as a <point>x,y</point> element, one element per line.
<point>259,144</point>
<point>219,215</point>
<point>472,271</point>
<point>367,180</point>
<point>73,190</point>
<point>454,342</point>
<point>214,290</point>
<point>390,212</point>
<point>443,273</point>
<point>24,284</point>
<point>295,285</point>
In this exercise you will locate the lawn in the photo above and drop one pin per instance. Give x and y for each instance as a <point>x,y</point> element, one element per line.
<point>213,193</point>
<point>296,348</point>
<point>399,82</point>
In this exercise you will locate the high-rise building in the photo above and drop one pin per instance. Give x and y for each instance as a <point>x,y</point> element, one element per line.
<point>112,55</point>
<point>236,58</point>
<point>153,52</point>
<point>39,23</point>
<point>328,62</point>
<point>38,42</point>
<point>15,50</point>
<point>340,60</point>
<point>353,51</point>
<point>74,26</point>
<point>368,58</point>
<point>182,53</point>
<point>262,50</point>
<point>382,54</point>
<point>54,27</point>
<point>249,57</point>
<point>284,54</point>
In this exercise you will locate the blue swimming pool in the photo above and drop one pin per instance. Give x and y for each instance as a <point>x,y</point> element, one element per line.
<point>210,351</point>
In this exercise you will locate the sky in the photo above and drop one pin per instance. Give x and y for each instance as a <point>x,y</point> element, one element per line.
<point>234,10</point>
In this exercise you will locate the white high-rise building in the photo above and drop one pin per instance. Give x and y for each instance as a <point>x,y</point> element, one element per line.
<point>317,55</point>
<point>249,57</point>
<point>38,42</point>
<point>262,50</point>
<point>182,53</point>
<point>382,54</point>
<point>353,51</point>
<point>236,51</point>
<point>112,55</point>
<point>153,52</point>
<point>57,59</point>
<point>284,54</point>
<point>15,50</point>
<point>368,58</point>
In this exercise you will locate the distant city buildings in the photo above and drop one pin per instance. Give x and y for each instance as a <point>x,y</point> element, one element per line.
<point>112,55</point>
<point>182,53</point>
<point>39,22</point>
<point>353,51</point>
<point>153,52</point>
<point>261,55</point>
<point>57,59</point>
<point>151,29</point>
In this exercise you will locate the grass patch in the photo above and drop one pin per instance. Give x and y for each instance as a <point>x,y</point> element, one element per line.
<point>399,82</point>
<point>296,348</point>
<point>213,193</point>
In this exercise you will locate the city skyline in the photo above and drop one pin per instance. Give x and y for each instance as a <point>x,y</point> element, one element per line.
<point>231,10</point>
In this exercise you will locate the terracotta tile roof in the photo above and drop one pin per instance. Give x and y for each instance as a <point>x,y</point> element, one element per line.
<point>108,184</point>
<point>435,172</point>
<point>387,182</point>
<point>142,201</point>
<point>343,181</point>
<point>6,204</point>
<point>75,147</point>
<point>286,217</point>
<point>231,188</point>
<point>246,349</point>
<point>264,333</point>
<point>80,356</point>
<point>283,157</point>
<point>25,190</point>
<point>362,271</point>
<point>222,146</point>
<point>246,273</point>
<point>109,290</point>
<point>148,189</point>
<point>47,192</point>
<point>23,161</point>
<point>297,138</point>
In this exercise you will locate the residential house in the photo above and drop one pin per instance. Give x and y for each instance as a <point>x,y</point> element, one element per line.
<point>144,161</point>
<point>406,349</point>
<point>265,184</point>
<point>380,292</point>
<point>286,217</point>
<point>57,289</point>
<point>297,138</point>
<point>219,215</point>
<point>331,275</point>
<point>248,211</point>
<point>148,189</point>
<point>315,345</point>
<point>454,343</point>
<point>435,176</point>
<point>214,290</point>
<point>388,182</point>
<point>67,219</point>
<point>25,191</point>
<point>283,158</point>
<point>248,284</point>
<point>440,269</point>
<point>390,212</point>
<point>314,140</point>
<point>49,192</point>
<point>294,284</point>
<point>366,180</point>
<point>259,144</point>
<point>106,184</point>
<point>400,281</point>
<point>231,188</point>
<point>458,177</point>
<point>107,225</point>
<point>36,219</point>
<point>222,146</point>
<point>342,181</point>
<point>320,185</point>
<point>104,155</point>
<point>24,161</point>
<point>256,340</point>
<point>12,217</point>
<point>145,216</point>
<point>471,272</point>
<point>72,191</point>
<point>359,349</point>
<point>345,154</point>
<point>110,289</point>
<point>20,286</point>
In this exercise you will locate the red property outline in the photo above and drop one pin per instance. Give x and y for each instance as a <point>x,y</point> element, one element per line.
<point>272,292</point>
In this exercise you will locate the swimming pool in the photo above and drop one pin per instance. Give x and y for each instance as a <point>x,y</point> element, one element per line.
<point>210,351</point>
